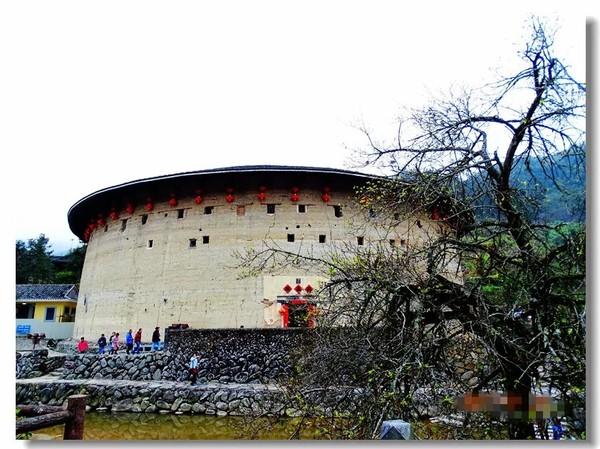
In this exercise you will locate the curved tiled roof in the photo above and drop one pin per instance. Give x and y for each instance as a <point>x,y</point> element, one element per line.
<point>248,176</point>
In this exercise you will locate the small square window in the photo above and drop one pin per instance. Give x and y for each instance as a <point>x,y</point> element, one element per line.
<point>192,243</point>
<point>338,211</point>
<point>123,224</point>
<point>298,281</point>
<point>290,237</point>
<point>150,243</point>
<point>322,238</point>
<point>301,208</point>
<point>205,239</point>
<point>270,209</point>
<point>144,219</point>
<point>241,211</point>
<point>208,210</point>
<point>360,241</point>
<point>105,228</point>
<point>180,213</point>
<point>392,242</point>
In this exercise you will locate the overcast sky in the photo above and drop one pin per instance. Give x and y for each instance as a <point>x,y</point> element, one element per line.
<point>99,93</point>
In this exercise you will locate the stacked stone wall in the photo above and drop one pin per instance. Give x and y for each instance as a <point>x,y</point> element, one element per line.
<point>36,363</point>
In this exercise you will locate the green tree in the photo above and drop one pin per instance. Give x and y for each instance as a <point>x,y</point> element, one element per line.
<point>71,274</point>
<point>34,265</point>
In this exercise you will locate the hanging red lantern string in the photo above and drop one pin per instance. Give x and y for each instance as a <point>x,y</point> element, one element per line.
<point>130,208</point>
<point>326,197</point>
<point>114,215</point>
<point>198,199</point>
<point>149,207</point>
<point>294,196</point>
<point>262,194</point>
<point>172,200</point>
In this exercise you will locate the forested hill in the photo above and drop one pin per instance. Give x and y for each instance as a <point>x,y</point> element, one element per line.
<point>558,186</point>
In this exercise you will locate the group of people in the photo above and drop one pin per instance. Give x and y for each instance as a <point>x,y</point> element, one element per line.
<point>133,343</point>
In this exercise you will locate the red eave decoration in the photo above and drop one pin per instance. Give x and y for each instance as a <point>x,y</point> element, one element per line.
<point>298,301</point>
<point>298,288</point>
<point>287,288</point>
<point>149,207</point>
<point>309,289</point>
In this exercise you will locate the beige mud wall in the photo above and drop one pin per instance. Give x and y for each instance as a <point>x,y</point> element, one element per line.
<point>126,284</point>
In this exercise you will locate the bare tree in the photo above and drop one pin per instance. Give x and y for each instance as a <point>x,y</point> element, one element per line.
<point>495,299</point>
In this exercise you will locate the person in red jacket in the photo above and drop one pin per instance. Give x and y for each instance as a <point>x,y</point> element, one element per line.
<point>83,345</point>
<point>137,340</point>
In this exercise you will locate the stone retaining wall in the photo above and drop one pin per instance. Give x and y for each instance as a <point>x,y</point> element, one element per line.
<point>236,355</point>
<point>225,356</point>
<point>155,397</point>
<point>36,363</point>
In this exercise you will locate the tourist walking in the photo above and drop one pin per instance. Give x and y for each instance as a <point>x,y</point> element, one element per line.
<point>101,344</point>
<point>156,339</point>
<point>129,341</point>
<point>193,369</point>
<point>115,344</point>
<point>138,341</point>
<point>83,345</point>
<point>110,343</point>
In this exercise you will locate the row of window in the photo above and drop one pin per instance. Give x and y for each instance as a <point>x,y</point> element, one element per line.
<point>360,241</point>
<point>241,210</point>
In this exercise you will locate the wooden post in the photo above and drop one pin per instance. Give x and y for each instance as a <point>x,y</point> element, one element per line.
<point>74,426</point>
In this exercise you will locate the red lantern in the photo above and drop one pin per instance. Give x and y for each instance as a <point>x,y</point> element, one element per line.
<point>149,207</point>
<point>229,198</point>
<point>295,197</point>
<point>173,201</point>
<point>262,196</point>
<point>198,199</point>
<point>298,288</point>
<point>287,288</point>
<point>114,215</point>
<point>101,222</point>
<point>309,289</point>
<point>130,208</point>
<point>92,225</point>
<point>326,198</point>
